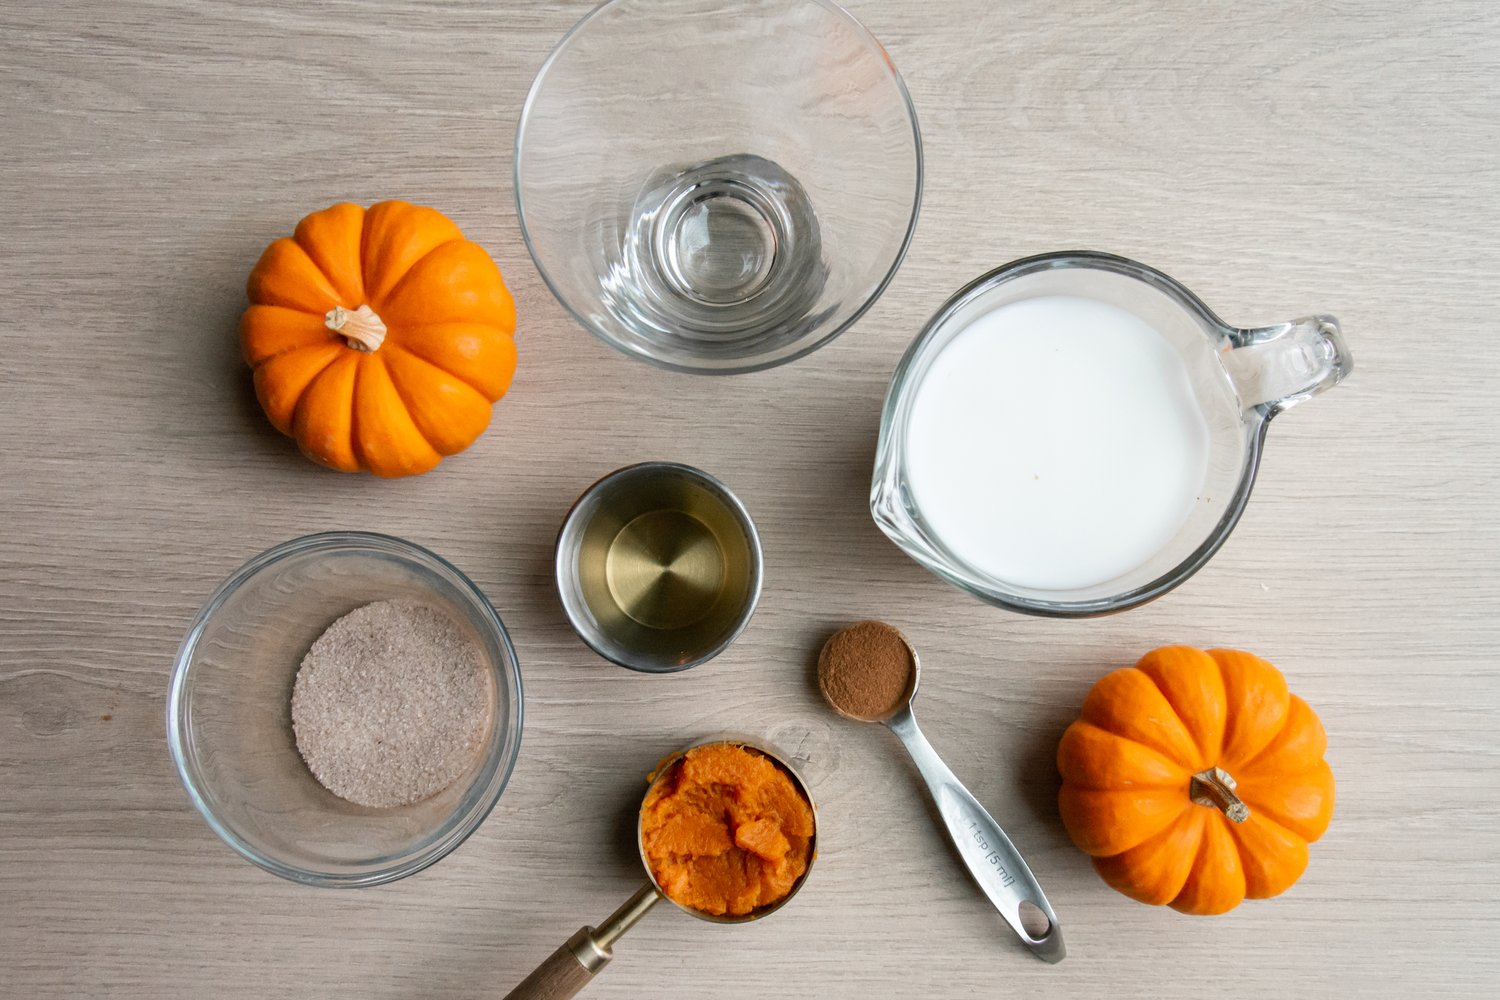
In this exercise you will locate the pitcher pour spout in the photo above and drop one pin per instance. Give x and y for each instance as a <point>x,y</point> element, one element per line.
<point>1275,367</point>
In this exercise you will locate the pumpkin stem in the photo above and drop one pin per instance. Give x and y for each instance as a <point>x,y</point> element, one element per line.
<point>1215,788</point>
<point>363,330</point>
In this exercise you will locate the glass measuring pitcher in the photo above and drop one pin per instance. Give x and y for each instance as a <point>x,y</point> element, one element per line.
<point>1235,379</point>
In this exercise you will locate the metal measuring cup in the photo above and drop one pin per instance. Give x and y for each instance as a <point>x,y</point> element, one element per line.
<point>573,966</point>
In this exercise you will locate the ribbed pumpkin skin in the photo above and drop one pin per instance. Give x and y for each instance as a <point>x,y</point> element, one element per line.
<point>1127,767</point>
<point>448,353</point>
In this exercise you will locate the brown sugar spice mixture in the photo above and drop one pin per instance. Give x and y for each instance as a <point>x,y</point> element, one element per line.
<point>866,671</point>
<point>391,704</point>
<point>726,831</point>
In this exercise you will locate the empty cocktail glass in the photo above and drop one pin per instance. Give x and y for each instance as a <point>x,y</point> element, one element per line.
<point>717,187</point>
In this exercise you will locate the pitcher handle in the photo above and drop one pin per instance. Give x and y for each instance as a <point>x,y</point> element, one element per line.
<point>1275,367</point>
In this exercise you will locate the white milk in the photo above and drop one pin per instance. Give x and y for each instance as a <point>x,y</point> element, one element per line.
<point>1055,443</point>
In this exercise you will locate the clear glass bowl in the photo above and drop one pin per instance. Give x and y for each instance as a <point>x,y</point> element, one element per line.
<point>718,188</point>
<point>229,712</point>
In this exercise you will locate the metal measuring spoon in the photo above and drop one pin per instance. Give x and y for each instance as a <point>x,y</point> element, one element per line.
<point>992,859</point>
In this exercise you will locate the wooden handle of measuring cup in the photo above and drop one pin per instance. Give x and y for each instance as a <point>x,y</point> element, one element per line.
<point>573,966</point>
<point>562,975</point>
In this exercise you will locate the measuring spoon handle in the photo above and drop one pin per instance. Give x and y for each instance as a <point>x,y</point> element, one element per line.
<point>992,859</point>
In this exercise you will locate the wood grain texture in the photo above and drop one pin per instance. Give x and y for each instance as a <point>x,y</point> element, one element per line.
<point>559,977</point>
<point>1280,158</point>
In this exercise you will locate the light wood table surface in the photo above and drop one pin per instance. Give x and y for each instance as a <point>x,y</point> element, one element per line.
<point>1280,158</point>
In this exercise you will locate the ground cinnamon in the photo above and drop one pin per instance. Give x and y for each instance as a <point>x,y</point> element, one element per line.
<point>866,671</point>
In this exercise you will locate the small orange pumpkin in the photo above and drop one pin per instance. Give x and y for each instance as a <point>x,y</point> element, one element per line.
<point>1195,779</point>
<point>379,338</point>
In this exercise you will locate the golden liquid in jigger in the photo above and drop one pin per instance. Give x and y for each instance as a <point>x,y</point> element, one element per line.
<point>658,566</point>
<point>665,569</point>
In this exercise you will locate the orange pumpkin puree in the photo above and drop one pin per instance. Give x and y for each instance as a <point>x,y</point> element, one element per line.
<point>726,831</point>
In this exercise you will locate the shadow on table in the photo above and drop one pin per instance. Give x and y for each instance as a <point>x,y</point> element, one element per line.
<point>209,399</point>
